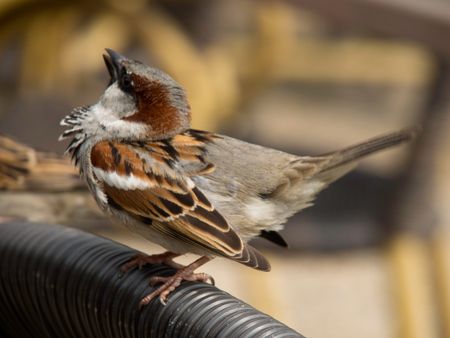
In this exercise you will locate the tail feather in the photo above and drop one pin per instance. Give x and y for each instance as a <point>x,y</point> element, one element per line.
<point>313,174</point>
<point>347,157</point>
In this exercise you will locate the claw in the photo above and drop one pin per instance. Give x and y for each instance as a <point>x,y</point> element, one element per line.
<point>170,283</point>
<point>156,280</point>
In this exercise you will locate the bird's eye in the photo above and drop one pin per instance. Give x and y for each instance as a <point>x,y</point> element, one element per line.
<point>126,83</point>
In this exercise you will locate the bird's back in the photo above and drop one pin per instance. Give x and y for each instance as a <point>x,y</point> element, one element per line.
<point>258,188</point>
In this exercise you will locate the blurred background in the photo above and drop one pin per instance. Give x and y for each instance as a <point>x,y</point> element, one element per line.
<point>372,257</point>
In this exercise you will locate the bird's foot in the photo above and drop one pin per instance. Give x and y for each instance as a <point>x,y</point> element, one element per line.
<point>172,282</point>
<point>141,260</point>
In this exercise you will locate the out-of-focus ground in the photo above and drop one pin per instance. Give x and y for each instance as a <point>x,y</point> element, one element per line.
<point>274,74</point>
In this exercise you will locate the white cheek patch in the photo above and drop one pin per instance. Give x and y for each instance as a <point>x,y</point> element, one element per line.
<point>124,129</point>
<point>105,117</point>
<point>107,121</point>
<point>115,100</point>
<point>115,180</point>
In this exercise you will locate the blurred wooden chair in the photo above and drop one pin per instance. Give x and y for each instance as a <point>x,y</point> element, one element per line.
<point>417,245</point>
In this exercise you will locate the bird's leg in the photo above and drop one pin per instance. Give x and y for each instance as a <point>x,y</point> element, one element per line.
<point>140,260</point>
<point>172,282</point>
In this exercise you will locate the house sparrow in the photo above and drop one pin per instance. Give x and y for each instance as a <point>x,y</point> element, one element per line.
<point>187,190</point>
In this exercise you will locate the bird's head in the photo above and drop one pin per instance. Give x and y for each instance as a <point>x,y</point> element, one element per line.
<point>139,103</point>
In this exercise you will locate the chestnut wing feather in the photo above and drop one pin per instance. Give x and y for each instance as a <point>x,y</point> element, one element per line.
<point>141,180</point>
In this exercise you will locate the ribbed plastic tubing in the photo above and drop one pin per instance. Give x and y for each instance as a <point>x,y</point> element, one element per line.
<point>61,282</point>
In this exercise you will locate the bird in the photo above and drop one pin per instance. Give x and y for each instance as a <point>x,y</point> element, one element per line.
<point>188,190</point>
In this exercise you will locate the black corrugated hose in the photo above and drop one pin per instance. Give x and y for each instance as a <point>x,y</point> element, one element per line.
<point>61,282</point>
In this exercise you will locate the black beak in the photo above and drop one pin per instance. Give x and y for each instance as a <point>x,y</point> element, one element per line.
<point>113,63</point>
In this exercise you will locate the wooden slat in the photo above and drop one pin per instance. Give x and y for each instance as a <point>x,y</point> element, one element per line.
<point>426,22</point>
<point>409,258</point>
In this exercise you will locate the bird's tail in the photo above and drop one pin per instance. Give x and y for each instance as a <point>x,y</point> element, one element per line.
<point>342,161</point>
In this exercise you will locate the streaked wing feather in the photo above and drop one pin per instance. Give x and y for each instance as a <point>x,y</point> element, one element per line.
<point>160,192</point>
